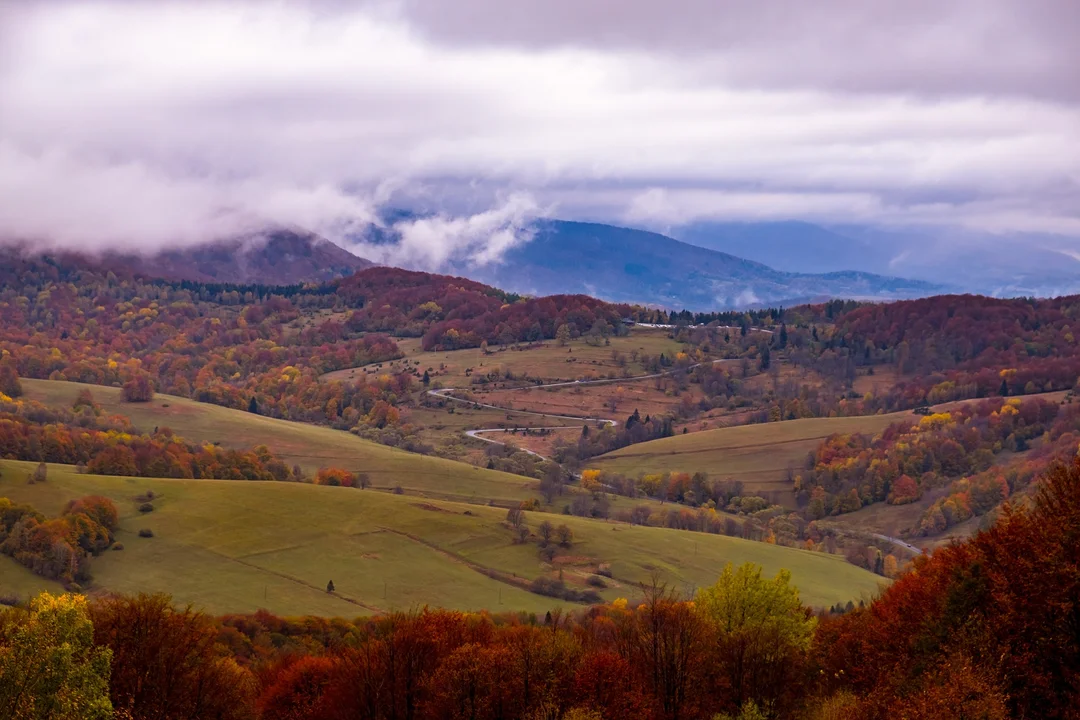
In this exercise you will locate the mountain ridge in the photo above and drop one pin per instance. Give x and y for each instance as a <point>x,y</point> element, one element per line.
<point>640,266</point>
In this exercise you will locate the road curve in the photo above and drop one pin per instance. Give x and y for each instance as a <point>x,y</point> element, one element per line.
<point>444,393</point>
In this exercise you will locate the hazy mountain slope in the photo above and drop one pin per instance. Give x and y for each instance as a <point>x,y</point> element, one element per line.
<point>790,246</point>
<point>280,257</point>
<point>628,265</point>
<point>1002,265</point>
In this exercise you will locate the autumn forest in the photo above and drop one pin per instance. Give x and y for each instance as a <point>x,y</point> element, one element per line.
<point>885,498</point>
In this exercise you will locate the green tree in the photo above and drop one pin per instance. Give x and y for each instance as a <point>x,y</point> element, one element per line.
<point>562,335</point>
<point>49,665</point>
<point>760,631</point>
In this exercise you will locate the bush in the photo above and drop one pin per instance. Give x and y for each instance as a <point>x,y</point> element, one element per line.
<point>604,570</point>
<point>138,389</point>
<point>335,477</point>
<point>146,507</point>
<point>9,380</point>
<point>146,533</point>
<point>118,546</point>
<point>558,589</point>
<point>596,581</point>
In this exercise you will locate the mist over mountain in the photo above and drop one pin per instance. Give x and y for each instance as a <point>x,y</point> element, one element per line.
<point>1000,265</point>
<point>275,257</point>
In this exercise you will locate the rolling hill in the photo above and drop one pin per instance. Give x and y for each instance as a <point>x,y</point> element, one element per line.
<point>236,546</point>
<point>310,446</point>
<point>758,455</point>
<point>277,257</point>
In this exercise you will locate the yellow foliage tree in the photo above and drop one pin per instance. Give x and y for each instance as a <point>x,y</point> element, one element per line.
<point>49,665</point>
<point>590,480</point>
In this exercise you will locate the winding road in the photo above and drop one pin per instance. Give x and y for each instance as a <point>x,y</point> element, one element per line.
<point>444,393</point>
<point>478,434</point>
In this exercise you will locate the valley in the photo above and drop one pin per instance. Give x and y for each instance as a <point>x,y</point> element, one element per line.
<point>406,449</point>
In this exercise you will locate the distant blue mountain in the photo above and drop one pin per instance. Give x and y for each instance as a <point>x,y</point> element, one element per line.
<point>792,246</point>
<point>628,265</point>
<point>1007,264</point>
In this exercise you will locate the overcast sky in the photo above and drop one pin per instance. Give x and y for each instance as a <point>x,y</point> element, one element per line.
<point>138,124</point>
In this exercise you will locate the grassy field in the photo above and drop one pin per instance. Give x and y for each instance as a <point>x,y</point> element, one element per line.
<point>233,546</point>
<point>310,446</point>
<point>596,400</point>
<point>577,360</point>
<point>15,580</point>
<point>445,427</point>
<point>758,455</point>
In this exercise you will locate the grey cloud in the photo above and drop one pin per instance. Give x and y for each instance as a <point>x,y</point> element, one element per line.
<point>967,47</point>
<point>150,123</point>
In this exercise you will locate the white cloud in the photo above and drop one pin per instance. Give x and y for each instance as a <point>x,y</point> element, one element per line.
<point>433,243</point>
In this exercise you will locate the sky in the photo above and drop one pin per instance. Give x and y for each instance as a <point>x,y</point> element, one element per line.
<point>136,124</point>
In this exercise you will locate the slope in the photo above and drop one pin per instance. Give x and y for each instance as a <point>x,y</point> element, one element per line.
<point>277,257</point>
<point>237,546</point>
<point>790,246</point>
<point>628,265</point>
<point>757,455</point>
<point>309,446</point>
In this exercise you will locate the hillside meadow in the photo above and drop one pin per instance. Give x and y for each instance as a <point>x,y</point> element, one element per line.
<point>236,546</point>
<point>759,455</point>
<point>309,446</point>
<point>576,360</point>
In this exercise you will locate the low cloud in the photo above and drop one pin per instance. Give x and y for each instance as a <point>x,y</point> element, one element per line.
<point>440,242</point>
<point>54,200</point>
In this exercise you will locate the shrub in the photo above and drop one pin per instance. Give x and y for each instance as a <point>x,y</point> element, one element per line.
<point>146,507</point>
<point>335,477</point>
<point>596,581</point>
<point>558,589</point>
<point>138,389</point>
<point>118,546</point>
<point>9,380</point>
<point>146,533</point>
